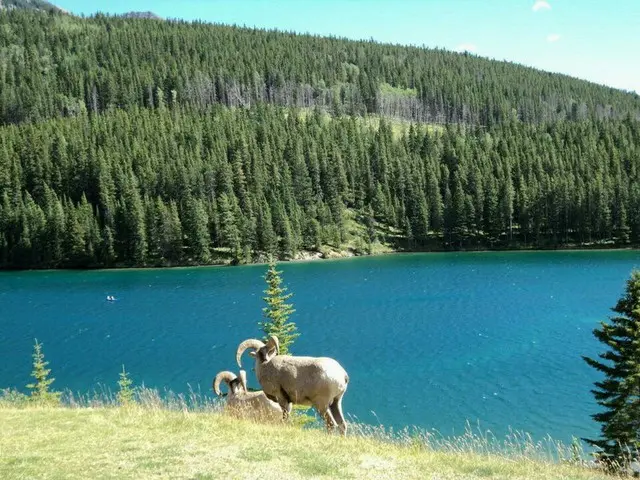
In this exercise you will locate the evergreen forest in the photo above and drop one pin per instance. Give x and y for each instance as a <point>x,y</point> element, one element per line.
<point>144,142</point>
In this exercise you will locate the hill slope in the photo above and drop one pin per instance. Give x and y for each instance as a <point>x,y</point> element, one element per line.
<point>74,443</point>
<point>199,144</point>
<point>113,62</point>
<point>28,4</point>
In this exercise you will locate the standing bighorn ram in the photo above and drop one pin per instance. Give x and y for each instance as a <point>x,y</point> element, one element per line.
<point>317,381</point>
<point>241,402</point>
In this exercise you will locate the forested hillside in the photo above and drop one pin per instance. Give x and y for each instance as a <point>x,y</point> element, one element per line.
<point>170,185</point>
<point>55,65</point>
<point>143,142</point>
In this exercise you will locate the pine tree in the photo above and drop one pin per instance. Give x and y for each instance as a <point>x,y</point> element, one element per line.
<point>40,388</point>
<point>125,391</point>
<point>277,312</point>
<point>230,234</point>
<point>267,239</point>
<point>312,238</point>
<point>619,392</point>
<point>196,227</point>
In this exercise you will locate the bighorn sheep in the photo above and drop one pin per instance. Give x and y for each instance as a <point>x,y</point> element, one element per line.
<point>317,381</point>
<point>241,402</point>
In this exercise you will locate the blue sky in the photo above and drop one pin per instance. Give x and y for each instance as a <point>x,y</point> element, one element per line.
<point>597,40</point>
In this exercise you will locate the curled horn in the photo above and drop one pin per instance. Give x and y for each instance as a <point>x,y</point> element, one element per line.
<point>226,376</point>
<point>251,343</point>
<point>273,343</point>
<point>243,380</point>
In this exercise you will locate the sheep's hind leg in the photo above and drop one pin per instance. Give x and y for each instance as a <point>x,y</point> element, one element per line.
<point>325,413</point>
<point>336,411</point>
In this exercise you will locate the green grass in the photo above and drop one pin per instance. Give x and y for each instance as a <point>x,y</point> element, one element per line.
<point>157,441</point>
<point>387,89</point>
<point>357,234</point>
<point>399,126</point>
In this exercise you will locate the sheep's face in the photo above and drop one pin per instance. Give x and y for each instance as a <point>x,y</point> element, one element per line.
<point>235,386</point>
<point>264,354</point>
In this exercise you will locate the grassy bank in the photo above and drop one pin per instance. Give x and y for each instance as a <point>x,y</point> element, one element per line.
<point>141,442</point>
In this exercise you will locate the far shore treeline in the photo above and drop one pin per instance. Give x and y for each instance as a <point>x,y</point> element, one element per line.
<point>167,187</point>
<point>129,142</point>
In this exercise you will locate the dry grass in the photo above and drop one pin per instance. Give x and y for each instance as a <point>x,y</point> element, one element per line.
<point>160,440</point>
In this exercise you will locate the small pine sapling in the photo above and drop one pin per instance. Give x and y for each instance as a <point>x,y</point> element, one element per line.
<point>40,388</point>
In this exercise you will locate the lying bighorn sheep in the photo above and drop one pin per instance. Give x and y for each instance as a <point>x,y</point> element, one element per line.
<point>317,381</point>
<point>244,403</point>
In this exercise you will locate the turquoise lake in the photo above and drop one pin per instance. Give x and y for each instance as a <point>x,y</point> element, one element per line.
<point>432,340</point>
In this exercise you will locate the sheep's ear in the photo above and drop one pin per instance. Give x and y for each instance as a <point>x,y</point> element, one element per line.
<point>252,354</point>
<point>273,344</point>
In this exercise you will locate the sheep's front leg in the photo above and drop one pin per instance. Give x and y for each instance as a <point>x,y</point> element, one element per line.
<point>286,410</point>
<point>285,404</point>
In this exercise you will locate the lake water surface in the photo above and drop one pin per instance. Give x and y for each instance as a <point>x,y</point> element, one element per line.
<point>432,340</point>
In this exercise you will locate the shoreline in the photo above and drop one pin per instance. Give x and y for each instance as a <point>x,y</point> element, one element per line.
<point>308,256</point>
